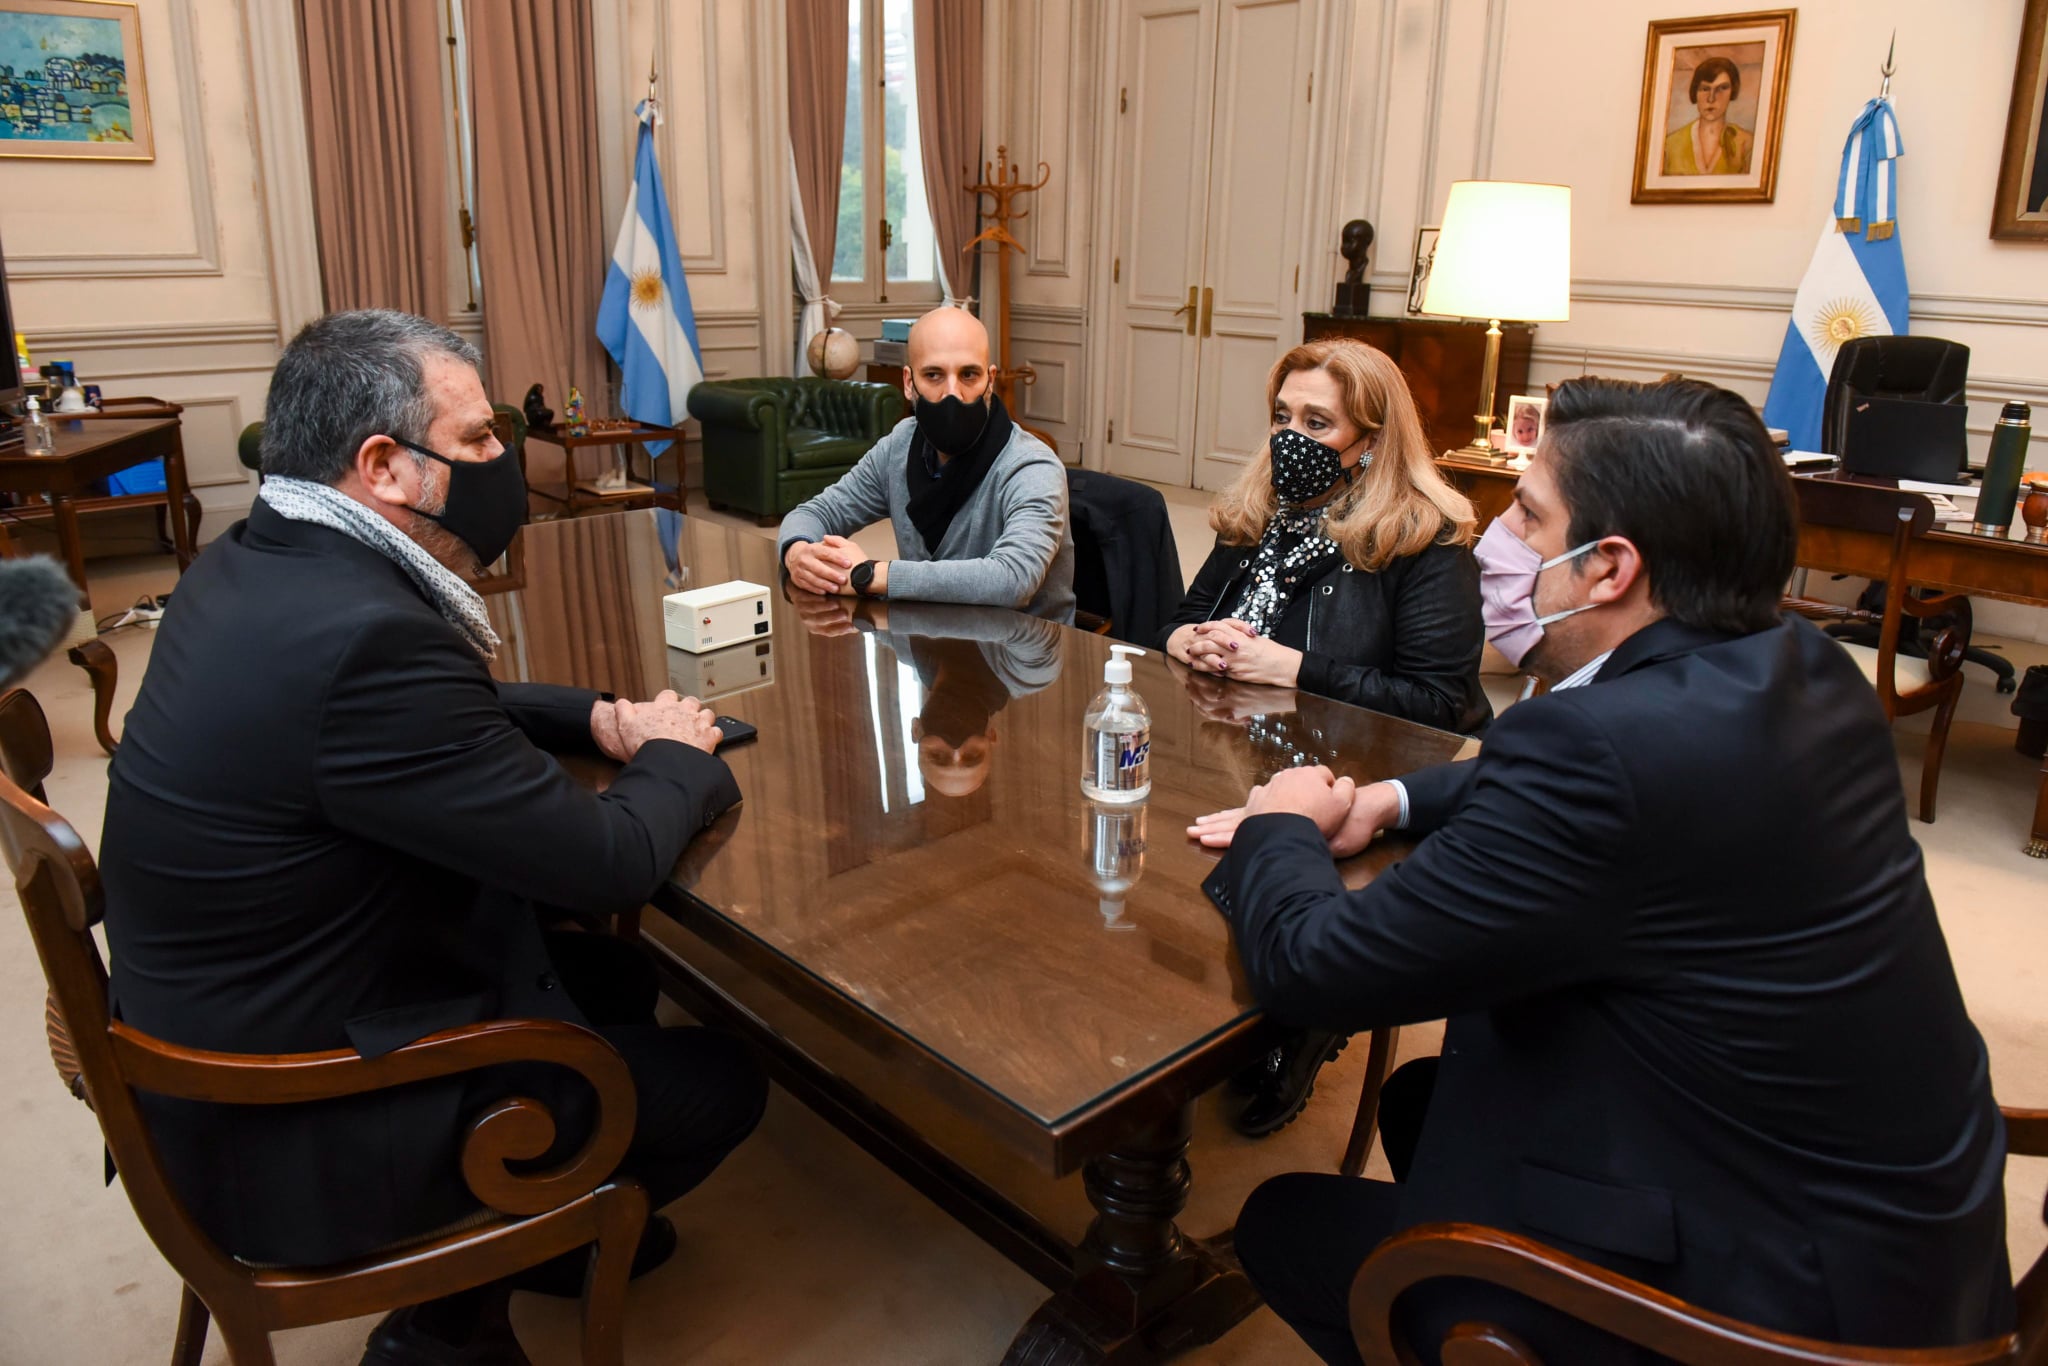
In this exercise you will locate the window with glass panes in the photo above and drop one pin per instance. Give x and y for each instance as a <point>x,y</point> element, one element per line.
<point>884,250</point>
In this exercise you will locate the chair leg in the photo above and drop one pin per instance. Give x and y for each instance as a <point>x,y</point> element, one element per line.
<point>1379,1060</point>
<point>191,1341</point>
<point>1937,743</point>
<point>611,1266</point>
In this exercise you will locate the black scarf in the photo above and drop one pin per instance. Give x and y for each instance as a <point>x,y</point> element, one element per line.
<point>938,491</point>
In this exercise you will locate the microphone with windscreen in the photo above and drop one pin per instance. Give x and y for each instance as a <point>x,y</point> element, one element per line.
<point>38,612</point>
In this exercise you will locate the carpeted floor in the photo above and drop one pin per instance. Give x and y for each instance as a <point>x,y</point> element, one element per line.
<point>801,1249</point>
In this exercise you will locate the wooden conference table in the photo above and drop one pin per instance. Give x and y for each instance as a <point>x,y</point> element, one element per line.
<point>941,946</point>
<point>1953,561</point>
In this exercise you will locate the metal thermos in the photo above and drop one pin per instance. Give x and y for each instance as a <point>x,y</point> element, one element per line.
<point>2002,470</point>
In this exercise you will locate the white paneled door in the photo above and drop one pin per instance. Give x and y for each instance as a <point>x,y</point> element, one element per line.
<point>1211,179</point>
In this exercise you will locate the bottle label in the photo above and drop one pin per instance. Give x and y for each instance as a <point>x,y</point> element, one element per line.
<point>1122,760</point>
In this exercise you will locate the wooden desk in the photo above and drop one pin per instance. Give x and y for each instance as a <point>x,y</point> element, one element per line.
<point>918,937</point>
<point>1952,561</point>
<point>86,452</point>
<point>580,495</point>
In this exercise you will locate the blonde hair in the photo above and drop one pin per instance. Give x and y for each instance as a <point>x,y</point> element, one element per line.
<point>1400,505</point>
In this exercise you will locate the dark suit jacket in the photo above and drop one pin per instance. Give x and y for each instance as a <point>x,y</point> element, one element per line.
<point>322,826</point>
<point>1126,565</point>
<point>1703,1027</point>
<point>1405,641</point>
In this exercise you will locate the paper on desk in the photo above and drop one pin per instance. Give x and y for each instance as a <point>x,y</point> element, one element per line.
<point>1953,490</point>
<point>1794,459</point>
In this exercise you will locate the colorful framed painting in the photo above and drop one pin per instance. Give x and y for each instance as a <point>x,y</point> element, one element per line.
<point>71,82</point>
<point>1713,109</point>
<point>2021,211</point>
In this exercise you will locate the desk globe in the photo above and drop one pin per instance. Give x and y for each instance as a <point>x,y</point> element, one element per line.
<point>833,353</point>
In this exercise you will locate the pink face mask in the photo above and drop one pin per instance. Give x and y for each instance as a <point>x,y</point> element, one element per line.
<point>1508,567</point>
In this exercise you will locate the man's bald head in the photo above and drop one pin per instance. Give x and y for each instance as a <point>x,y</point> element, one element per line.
<point>948,355</point>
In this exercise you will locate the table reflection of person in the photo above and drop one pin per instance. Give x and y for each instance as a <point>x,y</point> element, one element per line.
<point>972,661</point>
<point>1710,144</point>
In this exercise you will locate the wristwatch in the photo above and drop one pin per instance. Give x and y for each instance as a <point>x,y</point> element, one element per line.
<point>862,576</point>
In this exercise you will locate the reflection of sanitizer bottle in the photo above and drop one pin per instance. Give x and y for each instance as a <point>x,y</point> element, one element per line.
<point>1116,857</point>
<point>1116,753</point>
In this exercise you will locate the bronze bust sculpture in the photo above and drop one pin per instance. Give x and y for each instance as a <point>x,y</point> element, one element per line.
<point>1353,293</point>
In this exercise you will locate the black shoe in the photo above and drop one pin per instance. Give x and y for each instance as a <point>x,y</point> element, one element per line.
<point>1250,1080</point>
<point>404,1338</point>
<point>562,1276</point>
<point>1287,1087</point>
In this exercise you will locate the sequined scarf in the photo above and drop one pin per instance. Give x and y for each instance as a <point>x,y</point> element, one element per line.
<point>1289,553</point>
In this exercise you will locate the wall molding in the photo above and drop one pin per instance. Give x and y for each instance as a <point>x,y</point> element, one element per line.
<point>768,49</point>
<point>1489,89</point>
<point>181,335</point>
<point>205,258</point>
<point>284,166</point>
<point>1049,229</point>
<point>1056,315</point>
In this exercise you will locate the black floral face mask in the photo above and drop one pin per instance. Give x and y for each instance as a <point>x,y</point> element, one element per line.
<point>1304,469</point>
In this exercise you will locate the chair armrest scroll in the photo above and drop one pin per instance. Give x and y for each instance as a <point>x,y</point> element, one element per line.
<point>516,1129</point>
<point>1602,1299</point>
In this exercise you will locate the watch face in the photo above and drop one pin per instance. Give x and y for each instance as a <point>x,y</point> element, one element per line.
<point>862,575</point>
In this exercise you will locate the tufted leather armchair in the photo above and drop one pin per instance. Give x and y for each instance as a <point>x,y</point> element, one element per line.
<point>770,443</point>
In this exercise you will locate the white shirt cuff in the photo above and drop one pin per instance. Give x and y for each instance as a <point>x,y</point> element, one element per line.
<point>1400,791</point>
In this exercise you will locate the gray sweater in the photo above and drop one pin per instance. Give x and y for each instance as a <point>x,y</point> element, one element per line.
<point>1007,547</point>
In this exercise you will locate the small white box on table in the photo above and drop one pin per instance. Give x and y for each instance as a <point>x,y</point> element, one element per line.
<point>715,617</point>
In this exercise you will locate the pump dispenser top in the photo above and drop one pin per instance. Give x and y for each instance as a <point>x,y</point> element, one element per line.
<point>1117,672</point>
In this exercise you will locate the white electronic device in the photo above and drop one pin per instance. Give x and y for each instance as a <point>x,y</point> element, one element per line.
<point>715,617</point>
<point>722,673</point>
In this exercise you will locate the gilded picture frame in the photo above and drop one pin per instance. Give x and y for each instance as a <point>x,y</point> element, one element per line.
<point>2020,213</point>
<point>1713,108</point>
<point>72,85</point>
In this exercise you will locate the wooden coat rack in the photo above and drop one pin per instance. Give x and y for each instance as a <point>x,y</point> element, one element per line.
<point>1002,184</point>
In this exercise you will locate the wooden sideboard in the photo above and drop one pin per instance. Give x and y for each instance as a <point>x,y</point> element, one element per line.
<point>1441,359</point>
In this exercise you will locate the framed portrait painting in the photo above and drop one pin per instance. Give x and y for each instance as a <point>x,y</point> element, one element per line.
<point>71,82</point>
<point>2021,211</point>
<point>1713,109</point>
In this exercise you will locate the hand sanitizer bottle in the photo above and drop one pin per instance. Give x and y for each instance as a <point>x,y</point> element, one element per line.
<point>1116,749</point>
<point>41,439</point>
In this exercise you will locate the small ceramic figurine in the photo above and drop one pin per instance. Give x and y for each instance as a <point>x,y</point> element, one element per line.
<point>538,414</point>
<point>572,413</point>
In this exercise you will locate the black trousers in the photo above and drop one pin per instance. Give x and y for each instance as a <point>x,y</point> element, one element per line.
<point>700,1093</point>
<point>1301,1238</point>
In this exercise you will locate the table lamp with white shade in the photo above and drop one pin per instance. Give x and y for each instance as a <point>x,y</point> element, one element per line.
<point>1505,251</point>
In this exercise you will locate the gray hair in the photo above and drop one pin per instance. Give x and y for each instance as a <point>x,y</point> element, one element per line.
<point>346,378</point>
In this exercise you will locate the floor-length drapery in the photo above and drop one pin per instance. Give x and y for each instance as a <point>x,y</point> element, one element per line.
<point>818,31</point>
<point>541,249</point>
<point>947,38</point>
<point>375,130</point>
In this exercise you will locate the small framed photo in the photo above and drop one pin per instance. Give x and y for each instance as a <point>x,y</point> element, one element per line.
<point>71,82</point>
<point>1525,424</point>
<point>1713,109</point>
<point>1418,270</point>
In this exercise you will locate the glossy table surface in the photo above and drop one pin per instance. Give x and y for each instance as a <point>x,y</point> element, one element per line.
<point>913,857</point>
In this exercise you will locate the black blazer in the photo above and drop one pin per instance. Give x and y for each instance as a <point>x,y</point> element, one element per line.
<point>1405,641</point>
<point>321,827</point>
<point>1703,1027</point>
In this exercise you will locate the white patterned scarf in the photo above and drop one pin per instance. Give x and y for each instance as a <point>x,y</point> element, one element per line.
<point>301,500</point>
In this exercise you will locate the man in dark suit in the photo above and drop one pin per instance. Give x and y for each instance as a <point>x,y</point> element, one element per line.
<point>1702,1024</point>
<point>327,826</point>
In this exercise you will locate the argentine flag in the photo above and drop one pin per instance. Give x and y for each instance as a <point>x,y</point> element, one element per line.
<point>645,319</point>
<point>1855,285</point>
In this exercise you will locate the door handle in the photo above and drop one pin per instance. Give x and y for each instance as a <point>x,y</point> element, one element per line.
<point>1187,308</point>
<point>1208,307</point>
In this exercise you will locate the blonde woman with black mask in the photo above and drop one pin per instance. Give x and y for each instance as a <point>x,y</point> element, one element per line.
<point>1342,567</point>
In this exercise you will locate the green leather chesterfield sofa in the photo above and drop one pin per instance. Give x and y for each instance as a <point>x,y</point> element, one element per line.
<point>771,443</point>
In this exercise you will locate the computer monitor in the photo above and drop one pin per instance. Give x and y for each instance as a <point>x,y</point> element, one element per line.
<point>1906,438</point>
<point>10,366</point>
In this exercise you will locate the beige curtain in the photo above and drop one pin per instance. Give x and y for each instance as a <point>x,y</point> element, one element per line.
<point>541,248</point>
<point>817,144</point>
<point>947,36</point>
<point>376,126</point>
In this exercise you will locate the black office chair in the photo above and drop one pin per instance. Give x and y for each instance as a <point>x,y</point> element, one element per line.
<point>1932,370</point>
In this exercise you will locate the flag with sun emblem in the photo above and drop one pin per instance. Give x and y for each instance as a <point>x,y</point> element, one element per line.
<point>645,319</point>
<point>1855,285</point>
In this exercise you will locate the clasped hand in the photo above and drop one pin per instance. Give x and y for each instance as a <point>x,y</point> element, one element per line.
<point>1348,816</point>
<point>822,566</point>
<point>621,727</point>
<point>1231,649</point>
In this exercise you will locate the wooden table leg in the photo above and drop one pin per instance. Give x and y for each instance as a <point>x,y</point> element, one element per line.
<point>64,517</point>
<point>2037,845</point>
<point>182,533</point>
<point>1145,1292</point>
<point>98,661</point>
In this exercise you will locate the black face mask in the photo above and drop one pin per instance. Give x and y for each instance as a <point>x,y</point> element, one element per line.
<point>486,502</point>
<point>1304,469</point>
<point>950,425</point>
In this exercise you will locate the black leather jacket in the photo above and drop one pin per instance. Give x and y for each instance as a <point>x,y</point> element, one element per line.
<point>1405,641</point>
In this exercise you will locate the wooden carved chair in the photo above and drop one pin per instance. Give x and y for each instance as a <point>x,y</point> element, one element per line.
<point>1631,1310</point>
<point>1904,684</point>
<point>526,1217</point>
